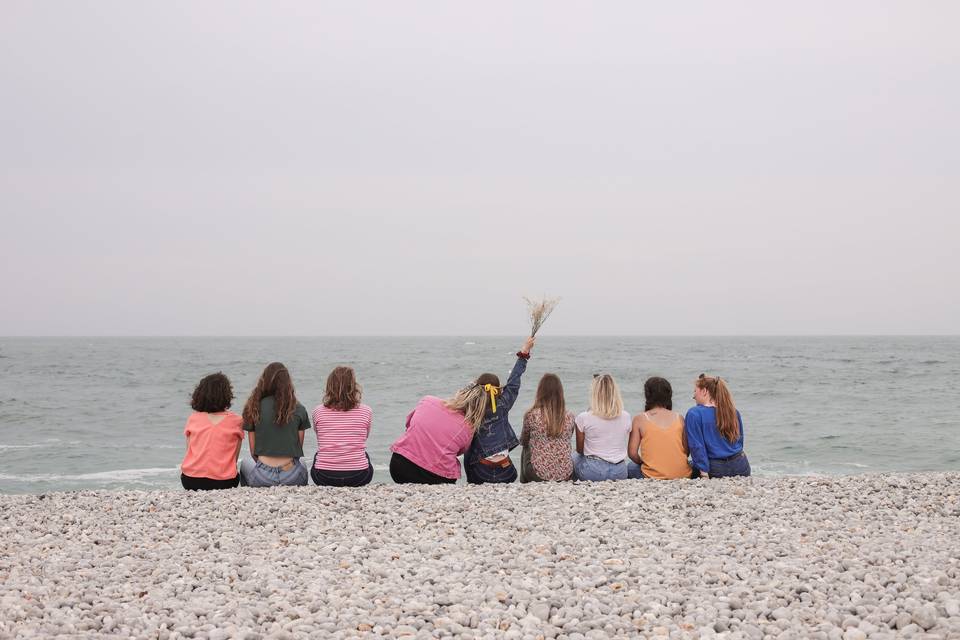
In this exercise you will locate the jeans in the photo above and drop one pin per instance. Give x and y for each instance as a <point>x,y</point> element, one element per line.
<point>331,478</point>
<point>596,469</point>
<point>257,474</point>
<point>634,471</point>
<point>191,483</point>
<point>484,473</point>
<point>737,465</point>
<point>405,472</point>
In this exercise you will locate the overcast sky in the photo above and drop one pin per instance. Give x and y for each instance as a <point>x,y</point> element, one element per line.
<point>278,168</point>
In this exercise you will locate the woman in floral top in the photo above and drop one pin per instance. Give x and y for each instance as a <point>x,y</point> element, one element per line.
<point>547,429</point>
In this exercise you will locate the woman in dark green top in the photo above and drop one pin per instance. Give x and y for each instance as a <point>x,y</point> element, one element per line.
<point>274,422</point>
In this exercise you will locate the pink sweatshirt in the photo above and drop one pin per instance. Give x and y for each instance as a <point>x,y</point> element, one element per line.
<point>434,438</point>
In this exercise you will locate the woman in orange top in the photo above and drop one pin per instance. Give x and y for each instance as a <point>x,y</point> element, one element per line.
<point>658,447</point>
<point>214,436</point>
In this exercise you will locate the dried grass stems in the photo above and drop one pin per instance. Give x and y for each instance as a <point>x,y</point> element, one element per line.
<point>540,310</point>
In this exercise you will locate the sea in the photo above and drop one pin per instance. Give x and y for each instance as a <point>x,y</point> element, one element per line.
<point>108,413</point>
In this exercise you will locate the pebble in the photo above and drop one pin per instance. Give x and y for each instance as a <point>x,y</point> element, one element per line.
<point>839,558</point>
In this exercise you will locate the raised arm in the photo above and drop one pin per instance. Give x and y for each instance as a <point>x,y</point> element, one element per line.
<point>510,391</point>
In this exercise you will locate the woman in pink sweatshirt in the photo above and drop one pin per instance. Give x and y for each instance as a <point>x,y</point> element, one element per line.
<point>438,431</point>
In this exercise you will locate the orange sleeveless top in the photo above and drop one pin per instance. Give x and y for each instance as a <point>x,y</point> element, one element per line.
<point>663,451</point>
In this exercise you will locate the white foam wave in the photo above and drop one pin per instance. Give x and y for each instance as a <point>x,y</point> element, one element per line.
<point>118,475</point>
<point>32,445</point>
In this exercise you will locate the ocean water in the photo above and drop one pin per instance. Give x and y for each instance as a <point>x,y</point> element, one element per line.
<point>92,413</point>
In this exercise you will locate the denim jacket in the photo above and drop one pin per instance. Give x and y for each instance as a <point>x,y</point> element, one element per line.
<point>495,433</point>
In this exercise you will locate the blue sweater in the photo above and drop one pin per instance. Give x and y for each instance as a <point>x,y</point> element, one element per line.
<point>704,439</point>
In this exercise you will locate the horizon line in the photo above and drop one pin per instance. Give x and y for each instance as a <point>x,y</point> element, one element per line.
<point>497,335</point>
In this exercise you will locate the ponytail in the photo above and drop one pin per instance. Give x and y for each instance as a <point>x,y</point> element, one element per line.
<point>727,422</point>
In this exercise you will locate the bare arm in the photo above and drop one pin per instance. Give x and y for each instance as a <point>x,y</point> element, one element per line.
<point>633,445</point>
<point>252,440</point>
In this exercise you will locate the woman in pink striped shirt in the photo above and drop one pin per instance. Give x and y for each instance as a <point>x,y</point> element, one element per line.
<point>342,425</point>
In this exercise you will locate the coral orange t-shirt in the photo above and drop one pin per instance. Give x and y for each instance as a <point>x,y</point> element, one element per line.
<point>212,448</point>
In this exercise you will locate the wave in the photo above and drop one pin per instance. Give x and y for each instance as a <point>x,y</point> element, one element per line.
<point>34,445</point>
<point>118,475</point>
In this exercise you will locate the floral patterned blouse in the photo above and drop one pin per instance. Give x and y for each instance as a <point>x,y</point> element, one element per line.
<point>550,456</point>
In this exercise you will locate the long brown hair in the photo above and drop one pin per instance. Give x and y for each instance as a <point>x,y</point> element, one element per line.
<point>274,381</point>
<point>550,402</point>
<point>343,393</point>
<point>727,421</point>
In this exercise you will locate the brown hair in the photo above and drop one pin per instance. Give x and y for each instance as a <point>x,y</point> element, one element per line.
<point>727,421</point>
<point>550,402</point>
<point>658,393</point>
<point>274,381</point>
<point>213,394</point>
<point>488,378</point>
<point>343,393</point>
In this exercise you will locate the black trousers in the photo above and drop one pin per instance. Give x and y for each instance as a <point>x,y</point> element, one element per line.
<point>405,472</point>
<point>330,478</point>
<point>207,484</point>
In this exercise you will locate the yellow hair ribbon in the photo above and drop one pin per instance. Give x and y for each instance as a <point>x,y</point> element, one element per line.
<point>494,391</point>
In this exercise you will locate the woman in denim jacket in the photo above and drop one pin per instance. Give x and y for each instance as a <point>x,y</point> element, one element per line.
<point>488,458</point>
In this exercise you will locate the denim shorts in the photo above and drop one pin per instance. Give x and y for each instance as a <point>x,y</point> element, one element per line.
<point>597,469</point>
<point>257,474</point>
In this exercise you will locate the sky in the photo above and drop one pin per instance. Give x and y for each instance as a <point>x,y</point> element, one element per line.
<point>416,168</point>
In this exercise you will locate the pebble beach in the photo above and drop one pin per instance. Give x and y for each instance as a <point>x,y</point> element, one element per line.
<point>869,556</point>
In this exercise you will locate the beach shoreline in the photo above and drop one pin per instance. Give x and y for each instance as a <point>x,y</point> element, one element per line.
<point>866,556</point>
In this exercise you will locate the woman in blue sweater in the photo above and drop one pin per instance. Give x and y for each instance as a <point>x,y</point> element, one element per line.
<point>714,431</point>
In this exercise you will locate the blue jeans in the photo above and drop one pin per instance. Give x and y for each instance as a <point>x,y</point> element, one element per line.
<point>257,474</point>
<point>634,471</point>
<point>484,473</point>
<point>737,465</point>
<point>596,469</point>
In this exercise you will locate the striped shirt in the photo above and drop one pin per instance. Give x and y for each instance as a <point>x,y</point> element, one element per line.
<point>342,438</point>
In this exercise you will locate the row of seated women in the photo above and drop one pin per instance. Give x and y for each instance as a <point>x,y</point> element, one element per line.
<point>474,423</point>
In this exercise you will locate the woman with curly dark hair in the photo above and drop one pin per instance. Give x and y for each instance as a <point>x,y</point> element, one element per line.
<point>342,425</point>
<point>274,422</point>
<point>214,436</point>
<point>658,446</point>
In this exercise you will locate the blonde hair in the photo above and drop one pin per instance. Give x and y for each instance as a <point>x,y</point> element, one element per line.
<point>471,401</point>
<point>605,399</point>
